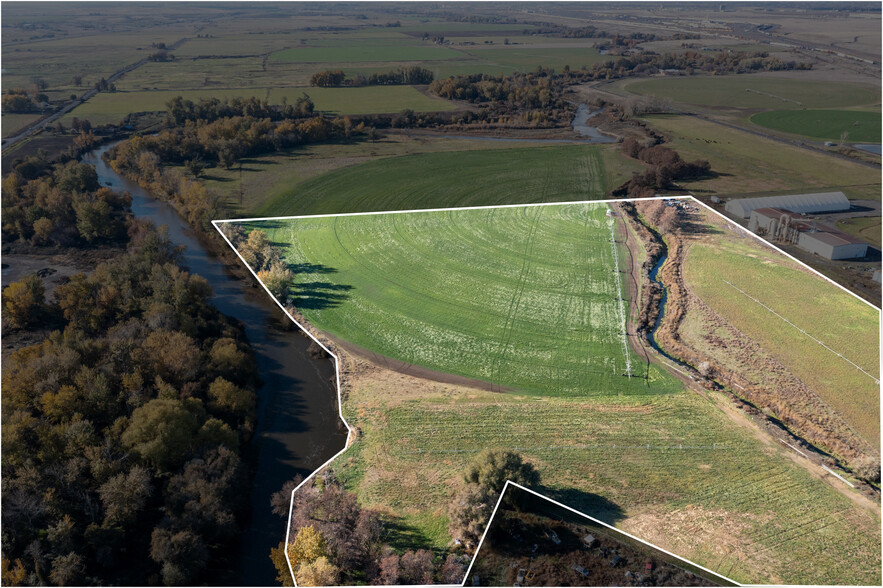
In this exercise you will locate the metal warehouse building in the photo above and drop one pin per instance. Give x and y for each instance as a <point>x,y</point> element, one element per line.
<point>832,244</point>
<point>808,203</point>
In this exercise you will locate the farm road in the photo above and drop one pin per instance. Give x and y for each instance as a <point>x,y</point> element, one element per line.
<point>9,142</point>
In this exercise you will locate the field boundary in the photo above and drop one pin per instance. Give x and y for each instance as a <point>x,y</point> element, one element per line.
<point>584,515</point>
<point>349,439</point>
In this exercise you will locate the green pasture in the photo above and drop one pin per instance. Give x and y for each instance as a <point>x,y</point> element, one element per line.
<point>467,178</point>
<point>528,58</point>
<point>522,298</point>
<point>866,228</point>
<point>12,123</point>
<point>848,326</point>
<point>862,127</point>
<point>755,92</point>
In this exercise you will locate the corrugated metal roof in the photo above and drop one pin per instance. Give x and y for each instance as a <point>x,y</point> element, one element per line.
<point>822,202</point>
<point>834,238</point>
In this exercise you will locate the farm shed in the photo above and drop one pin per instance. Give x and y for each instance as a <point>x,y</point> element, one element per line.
<point>800,203</point>
<point>777,224</point>
<point>832,244</point>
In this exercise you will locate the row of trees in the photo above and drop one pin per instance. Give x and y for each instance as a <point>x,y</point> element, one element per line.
<point>122,430</point>
<point>20,100</point>
<point>180,110</point>
<point>665,168</point>
<point>261,256</point>
<point>61,205</point>
<point>409,76</point>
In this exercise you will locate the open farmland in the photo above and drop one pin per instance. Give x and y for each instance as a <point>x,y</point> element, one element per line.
<point>755,92</point>
<point>747,164</point>
<point>866,228</point>
<point>367,52</point>
<point>848,384</point>
<point>523,298</point>
<point>466,178</point>
<point>823,124</point>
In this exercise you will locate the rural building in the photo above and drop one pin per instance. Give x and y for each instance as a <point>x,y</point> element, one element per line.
<point>777,224</point>
<point>799,203</point>
<point>876,276</point>
<point>832,244</point>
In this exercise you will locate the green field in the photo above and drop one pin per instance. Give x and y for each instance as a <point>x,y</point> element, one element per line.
<point>862,127</point>
<point>526,297</point>
<point>755,92</point>
<point>840,321</point>
<point>528,58</point>
<point>366,52</point>
<point>482,278</point>
<point>867,228</point>
<point>469,178</point>
<point>748,164</point>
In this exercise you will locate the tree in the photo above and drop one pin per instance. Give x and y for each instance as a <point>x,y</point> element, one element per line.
<point>319,573</point>
<point>23,301</point>
<point>469,513</point>
<point>417,567</point>
<point>42,231</point>
<point>124,496</point>
<point>182,555</point>
<point>277,279</point>
<point>67,569</point>
<point>228,397</point>
<point>308,546</point>
<point>492,467</point>
<point>162,432</point>
<point>277,556</point>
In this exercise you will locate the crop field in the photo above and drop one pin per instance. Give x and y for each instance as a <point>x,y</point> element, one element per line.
<point>468,178</point>
<point>747,164</point>
<point>756,92</point>
<point>528,58</point>
<point>823,124</point>
<point>844,324</point>
<point>522,298</point>
<point>526,297</point>
<point>273,176</point>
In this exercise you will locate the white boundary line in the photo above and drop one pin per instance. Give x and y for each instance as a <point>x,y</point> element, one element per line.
<point>838,354</point>
<point>591,518</point>
<point>218,222</point>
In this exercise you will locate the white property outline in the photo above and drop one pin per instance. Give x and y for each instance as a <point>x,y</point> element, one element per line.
<point>591,518</point>
<point>347,445</point>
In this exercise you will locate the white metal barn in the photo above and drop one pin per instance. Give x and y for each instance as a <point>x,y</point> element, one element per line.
<point>832,244</point>
<point>808,203</point>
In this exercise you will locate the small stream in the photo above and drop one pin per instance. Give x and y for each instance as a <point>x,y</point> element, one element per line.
<point>580,125</point>
<point>298,427</point>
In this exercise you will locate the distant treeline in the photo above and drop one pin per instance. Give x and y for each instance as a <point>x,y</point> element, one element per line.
<point>408,76</point>
<point>123,429</point>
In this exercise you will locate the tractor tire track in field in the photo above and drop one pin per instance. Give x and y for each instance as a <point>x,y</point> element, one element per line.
<point>515,302</point>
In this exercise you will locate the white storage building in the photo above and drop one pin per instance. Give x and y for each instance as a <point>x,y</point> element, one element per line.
<point>832,244</point>
<point>799,203</point>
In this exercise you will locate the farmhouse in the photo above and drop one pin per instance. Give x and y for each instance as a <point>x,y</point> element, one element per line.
<point>832,244</point>
<point>800,203</point>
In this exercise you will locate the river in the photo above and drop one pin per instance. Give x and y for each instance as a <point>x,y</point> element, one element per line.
<point>298,427</point>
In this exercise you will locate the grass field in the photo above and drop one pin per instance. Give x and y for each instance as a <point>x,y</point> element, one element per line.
<point>367,52</point>
<point>867,228</point>
<point>528,58</point>
<point>755,92</point>
<point>13,123</point>
<point>112,107</point>
<point>823,124</point>
<point>430,180</point>
<point>749,164</point>
<point>843,323</point>
<point>482,279</point>
<point>526,297</point>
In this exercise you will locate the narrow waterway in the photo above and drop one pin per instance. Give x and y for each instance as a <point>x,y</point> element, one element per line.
<point>580,125</point>
<point>298,427</point>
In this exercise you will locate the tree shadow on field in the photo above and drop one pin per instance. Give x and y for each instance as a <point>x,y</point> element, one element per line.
<point>401,536</point>
<point>311,268</point>
<point>589,503</point>
<point>320,295</point>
